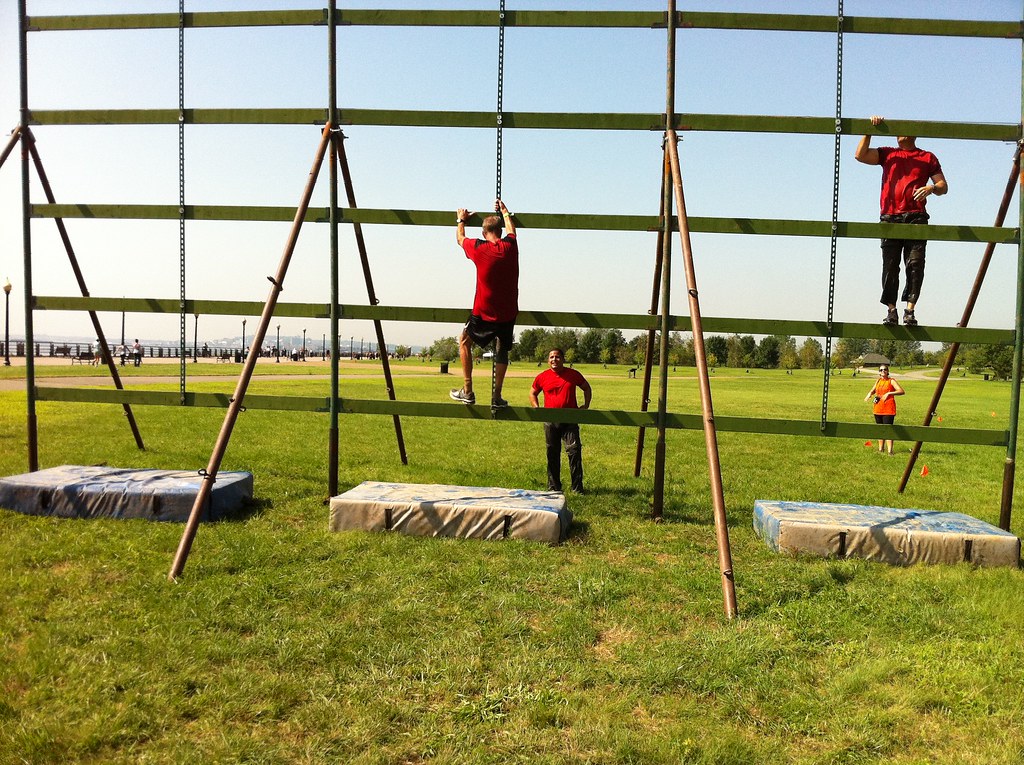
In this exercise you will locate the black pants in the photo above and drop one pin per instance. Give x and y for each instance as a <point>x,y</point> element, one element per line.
<point>911,252</point>
<point>555,434</point>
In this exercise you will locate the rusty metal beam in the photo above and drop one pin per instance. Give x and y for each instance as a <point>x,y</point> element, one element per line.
<point>707,410</point>
<point>235,407</point>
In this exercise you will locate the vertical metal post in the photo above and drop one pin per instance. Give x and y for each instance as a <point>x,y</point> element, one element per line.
<point>31,423</point>
<point>332,84</point>
<point>7,323</point>
<point>1009,467</point>
<point>658,503</point>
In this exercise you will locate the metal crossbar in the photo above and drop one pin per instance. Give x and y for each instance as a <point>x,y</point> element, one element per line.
<point>606,417</point>
<point>645,121</point>
<point>526,318</point>
<point>528,220</point>
<point>535,18</point>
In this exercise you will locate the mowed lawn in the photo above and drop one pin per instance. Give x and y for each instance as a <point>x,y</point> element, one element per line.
<point>285,643</point>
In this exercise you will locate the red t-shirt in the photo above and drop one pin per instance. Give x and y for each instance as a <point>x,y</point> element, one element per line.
<point>903,173</point>
<point>559,387</point>
<point>497,277</point>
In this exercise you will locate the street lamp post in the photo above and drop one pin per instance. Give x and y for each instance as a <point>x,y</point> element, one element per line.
<point>323,347</point>
<point>195,340</point>
<point>351,340</point>
<point>242,354</point>
<point>7,323</point>
<point>278,361</point>
<point>360,347</point>
<point>303,345</point>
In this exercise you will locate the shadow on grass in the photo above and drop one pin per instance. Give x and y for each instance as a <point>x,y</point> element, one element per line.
<point>579,533</point>
<point>251,508</point>
<point>812,583</point>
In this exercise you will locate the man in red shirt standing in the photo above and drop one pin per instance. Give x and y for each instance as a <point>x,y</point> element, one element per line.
<point>905,174</point>
<point>496,303</point>
<point>558,384</point>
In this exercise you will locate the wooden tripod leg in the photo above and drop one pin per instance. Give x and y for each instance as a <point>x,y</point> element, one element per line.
<point>235,405</point>
<point>339,143</point>
<point>707,410</point>
<point>645,395</point>
<point>947,367</point>
<point>62,230</point>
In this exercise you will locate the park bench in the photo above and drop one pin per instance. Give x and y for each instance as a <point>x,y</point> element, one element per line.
<point>82,358</point>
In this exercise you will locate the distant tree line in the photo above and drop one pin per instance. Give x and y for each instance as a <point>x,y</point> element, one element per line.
<point>609,346</point>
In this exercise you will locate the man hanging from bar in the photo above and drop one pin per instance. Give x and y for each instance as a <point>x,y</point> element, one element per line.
<point>496,302</point>
<point>906,171</point>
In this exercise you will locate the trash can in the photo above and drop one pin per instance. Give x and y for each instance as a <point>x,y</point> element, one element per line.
<point>444,367</point>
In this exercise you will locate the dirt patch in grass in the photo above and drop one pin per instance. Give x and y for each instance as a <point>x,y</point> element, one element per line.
<point>608,642</point>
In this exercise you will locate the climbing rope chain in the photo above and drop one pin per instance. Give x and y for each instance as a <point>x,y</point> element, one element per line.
<point>497,163</point>
<point>181,194</point>
<point>835,214</point>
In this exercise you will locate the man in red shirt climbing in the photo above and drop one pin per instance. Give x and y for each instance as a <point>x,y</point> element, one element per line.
<point>559,384</point>
<point>906,171</point>
<point>496,302</point>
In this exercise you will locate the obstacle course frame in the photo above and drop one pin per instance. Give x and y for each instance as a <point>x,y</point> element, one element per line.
<point>533,120</point>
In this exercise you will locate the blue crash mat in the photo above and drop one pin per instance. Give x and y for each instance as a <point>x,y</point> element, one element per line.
<point>885,534</point>
<point>76,491</point>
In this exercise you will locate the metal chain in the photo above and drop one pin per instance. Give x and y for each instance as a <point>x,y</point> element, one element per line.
<point>497,163</point>
<point>181,190</point>
<point>501,83</point>
<point>835,214</point>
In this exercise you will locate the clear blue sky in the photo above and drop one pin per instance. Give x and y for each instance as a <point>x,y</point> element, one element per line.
<point>736,174</point>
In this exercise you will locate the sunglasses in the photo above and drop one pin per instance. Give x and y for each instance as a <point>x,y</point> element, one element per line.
<point>883,369</point>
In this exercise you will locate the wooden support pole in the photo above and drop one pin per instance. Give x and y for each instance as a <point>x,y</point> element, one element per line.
<point>645,393</point>
<point>965,318</point>
<point>108,357</point>
<point>235,407</point>
<point>339,142</point>
<point>707,410</point>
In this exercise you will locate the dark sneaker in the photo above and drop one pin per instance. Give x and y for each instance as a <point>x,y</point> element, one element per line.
<point>458,394</point>
<point>891,318</point>
<point>497,402</point>
<point>909,319</point>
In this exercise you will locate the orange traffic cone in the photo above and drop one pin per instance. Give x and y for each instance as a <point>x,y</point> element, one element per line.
<point>867,443</point>
<point>940,418</point>
<point>924,471</point>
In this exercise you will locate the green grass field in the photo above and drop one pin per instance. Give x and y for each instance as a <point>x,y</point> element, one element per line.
<point>285,643</point>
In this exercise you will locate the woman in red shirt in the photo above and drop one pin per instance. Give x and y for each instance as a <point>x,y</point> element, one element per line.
<point>884,393</point>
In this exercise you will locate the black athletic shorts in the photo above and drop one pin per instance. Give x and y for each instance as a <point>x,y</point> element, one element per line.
<point>885,419</point>
<point>483,333</point>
